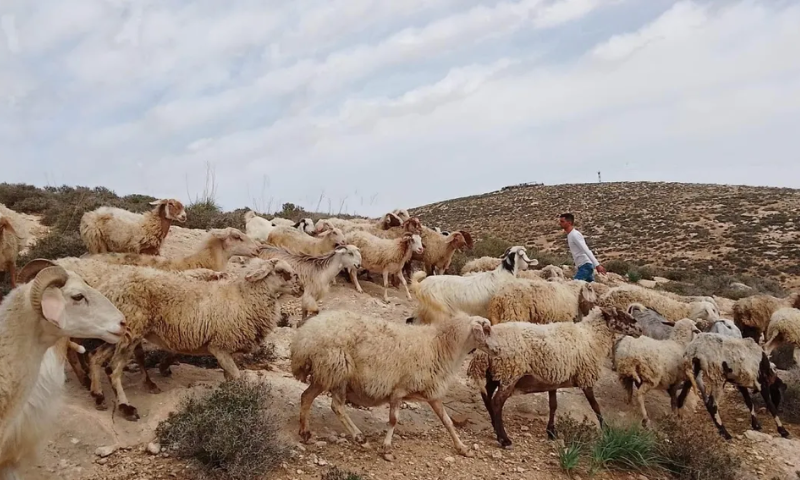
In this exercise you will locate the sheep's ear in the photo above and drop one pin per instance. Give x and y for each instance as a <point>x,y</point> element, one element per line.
<point>53,305</point>
<point>285,274</point>
<point>505,254</point>
<point>262,271</point>
<point>158,202</point>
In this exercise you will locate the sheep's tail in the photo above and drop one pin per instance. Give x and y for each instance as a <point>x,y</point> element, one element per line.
<point>689,367</point>
<point>417,277</point>
<point>301,370</point>
<point>479,369</point>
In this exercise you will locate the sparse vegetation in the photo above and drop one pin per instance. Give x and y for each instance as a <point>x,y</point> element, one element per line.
<point>233,431</point>
<point>695,452</point>
<point>336,474</point>
<point>630,447</point>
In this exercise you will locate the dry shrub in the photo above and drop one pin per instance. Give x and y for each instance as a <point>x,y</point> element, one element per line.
<point>695,451</point>
<point>336,474</point>
<point>233,431</point>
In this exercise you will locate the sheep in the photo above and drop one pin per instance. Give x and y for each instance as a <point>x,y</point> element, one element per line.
<point>541,302</point>
<point>300,242</point>
<point>739,361</point>
<point>371,361</point>
<point>193,318</point>
<point>412,225</point>
<point>439,249</point>
<point>673,310</point>
<point>753,314</point>
<point>644,363</point>
<point>401,213</point>
<point>549,272</point>
<point>10,245</point>
<point>530,358</point>
<point>306,225</point>
<point>471,295</point>
<point>36,321</point>
<point>653,324</point>
<point>784,327</point>
<point>109,229</point>
<point>257,227</point>
<point>385,256</point>
<point>443,232</point>
<point>316,273</point>
<point>217,247</point>
<point>725,327</point>
<point>486,264</point>
<point>282,222</point>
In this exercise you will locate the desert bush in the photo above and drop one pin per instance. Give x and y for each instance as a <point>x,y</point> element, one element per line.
<point>490,247</point>
<point>457,263</point>
<point>790,403</point>
<point>336,474</point>
<point>631,447</point>
<point>55,245</point>
<point>620,267</point>
<point>233,431</point>
<point>720,285</point>
<point>695,451</point>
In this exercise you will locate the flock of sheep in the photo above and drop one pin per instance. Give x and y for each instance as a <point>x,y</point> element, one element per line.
<point>527,330</point>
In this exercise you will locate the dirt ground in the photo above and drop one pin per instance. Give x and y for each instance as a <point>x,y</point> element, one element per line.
<point>422,449</point>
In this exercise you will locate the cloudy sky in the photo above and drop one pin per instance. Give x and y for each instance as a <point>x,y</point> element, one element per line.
<point>375,104</point>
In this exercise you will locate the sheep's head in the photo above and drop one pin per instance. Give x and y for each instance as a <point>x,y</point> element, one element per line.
<point>619,321</point>
<point>335,236</point>
<point>170,209</point>
<point>513,258</point>
<point>467,237</point>
<point>414,242</point>
<point>350,256</point>
<point>684,331</point>
<point>703,311</point>
<point>235,242</point>
<point>249,215</point>
<point>401,213</point>
<point>635,308</point>
<point>323,226</point>
<point>390,220</point>
<point>587,298</point>
<point>457,241</point>
<point>306,225</point>
<point>278,275</point>
<point>68,306</point>
<point>413,225</point>
<point>480,329</point>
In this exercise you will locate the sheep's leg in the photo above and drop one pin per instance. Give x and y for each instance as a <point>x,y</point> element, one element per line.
<point>773,410</point>
<point>754,423</point>
<point>589,392</point>
<point>713,410</point>
<point>498,401</point>
<point>405,284</point>
<point>438,409</point>
<point>673,396</point>
<point>125,349</point>
<point>491,387</point>
<point>551,421</point>
<point>354,279</point>
<point>394,406</point>
<point>138,353</point>
<point>386,286</point>
<point>96,361</point>
<point>640,393</point>
<point>225,361</point>
<point>165,364</point>
<point>337,405</point>
<point>74,360</point>
<point>306,400</point>
<point>11,268</point>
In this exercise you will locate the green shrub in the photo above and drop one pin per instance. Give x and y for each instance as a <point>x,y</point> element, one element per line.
<point>620,267</point>
<point>490,247</point>
<point>55,245</point>
<point>695,451</point>
<point>630,447</point>
<point>634,276</point>
<point>233,431</point>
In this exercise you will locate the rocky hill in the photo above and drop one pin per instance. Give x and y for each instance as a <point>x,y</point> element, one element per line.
<point>727,229</point>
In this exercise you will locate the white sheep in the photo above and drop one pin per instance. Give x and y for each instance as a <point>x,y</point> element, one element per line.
<point>740,361</point>
<point>753,314</point>
<point>185,316</point>
<point>784,328</point>
<point>306,225</point>
<point>673,310</point>
<point>450,294</point>
<point>316,273</point>
<point>257,227</point>
<point>644,363</point>
<point>10,245</point>
<point>300,242</point>
<point>542,302</point>
<point>548,272</point>
<point>371,361</point>
<point>487,264</point>
<point>282,222</point>
<point>725,327</point>
<point>531,358</point>
<point>34,317</point>
<point>385,256</point>
<point>213,253</point>
<point>109,229</point>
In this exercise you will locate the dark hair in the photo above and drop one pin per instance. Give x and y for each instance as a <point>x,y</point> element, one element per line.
<point>568,217</point>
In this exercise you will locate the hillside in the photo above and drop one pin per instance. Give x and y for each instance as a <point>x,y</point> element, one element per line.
<point>730,229</point>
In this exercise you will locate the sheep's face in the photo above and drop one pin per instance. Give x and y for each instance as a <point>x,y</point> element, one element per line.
<point>457,240</point>
<point>467,237</point>
<point>684,331</point>
<point>323,226</point>
<point>350,256</point>
<point>514,257</point>
<point>415,243</point>
<point>587,299</point>
<point>237,243</point>
<point>336,236</point>
<point>390,220</point>
<point>620,321</point>
<point>402,214</point>
<point>172,209</point>
<point>480,329</point>
<point>249,215</point>
<point>703,311</point>
<point>306,225</point>
<point>277,275</point>
<point>413,225</point>
<point>67,306</point>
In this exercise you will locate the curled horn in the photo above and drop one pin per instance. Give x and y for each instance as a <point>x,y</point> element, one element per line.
<point>33,267</point>
<point>48,277</point>
<point>505,254</point>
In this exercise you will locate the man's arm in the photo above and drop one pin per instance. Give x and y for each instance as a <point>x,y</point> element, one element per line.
<point>588,252</point>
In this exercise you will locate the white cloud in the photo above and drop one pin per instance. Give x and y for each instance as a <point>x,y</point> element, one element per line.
<point>410,101</point>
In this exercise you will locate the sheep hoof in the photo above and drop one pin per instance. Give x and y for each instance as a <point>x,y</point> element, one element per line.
<point>100,401</point>
<point>726,435</point>
<point>129,412</point>
<point>551,433</point>
<point>784,433</point>
<point>167,372</point>
<point>755,425</point>
<point>305,436</point>
<point>465,452</point>
<point>152,387</point>
<point>360,439</point>
<point>505,442</point>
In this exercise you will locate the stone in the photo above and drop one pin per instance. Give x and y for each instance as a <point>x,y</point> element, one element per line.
<point>153,448</point>
<point>755,436</point>
<point>106,451</point>
<point>449,459</point>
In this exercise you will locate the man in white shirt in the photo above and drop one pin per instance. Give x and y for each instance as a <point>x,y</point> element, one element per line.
<point>584,259</point>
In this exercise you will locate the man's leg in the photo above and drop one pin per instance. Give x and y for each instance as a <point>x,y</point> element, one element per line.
<point>584,272</point>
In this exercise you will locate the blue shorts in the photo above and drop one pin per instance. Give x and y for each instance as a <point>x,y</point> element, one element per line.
<point>585,272</point>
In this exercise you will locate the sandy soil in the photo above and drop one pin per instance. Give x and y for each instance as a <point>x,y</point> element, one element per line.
<point>422,450</point>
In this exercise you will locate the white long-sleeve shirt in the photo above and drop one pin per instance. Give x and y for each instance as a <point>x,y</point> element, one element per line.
<point>580,251</point>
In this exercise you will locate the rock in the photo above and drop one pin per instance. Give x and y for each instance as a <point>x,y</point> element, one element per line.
<point>476,447</point>
<point>320,444</point>
<point>74,441</point>
<point>497,455</point>
<point>661,280</point>
<point>449,459</point>
<point>524,428</point>
<point>754,436</point>
<point>153,448</point>
<point>102,461</point>
<point>647,283</point>
<point>106,451</point>
<point>740,286</point>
